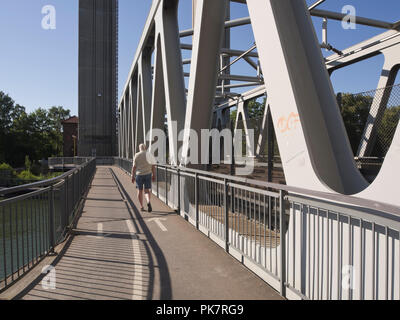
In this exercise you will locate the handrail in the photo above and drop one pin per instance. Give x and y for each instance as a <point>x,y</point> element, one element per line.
<point>44,183</point>
<point>373,207</point>
<point>284,231</point>
<point>24,196</point>
<point>35,222</point>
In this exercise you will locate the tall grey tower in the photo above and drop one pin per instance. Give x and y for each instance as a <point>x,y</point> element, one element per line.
<point>98,45</point>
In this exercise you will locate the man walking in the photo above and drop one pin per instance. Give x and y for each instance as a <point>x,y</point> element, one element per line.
<point>143,174</point>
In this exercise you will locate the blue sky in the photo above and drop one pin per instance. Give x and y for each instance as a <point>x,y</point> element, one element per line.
<point>39,68</point>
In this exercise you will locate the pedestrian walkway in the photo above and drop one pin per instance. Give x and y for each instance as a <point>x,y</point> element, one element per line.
<point>118,252</point>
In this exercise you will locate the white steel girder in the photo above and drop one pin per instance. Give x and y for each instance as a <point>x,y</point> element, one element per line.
<point>207,42</point>
<point>310,133</point>
<point>312,140</point>
<point>168,70</point>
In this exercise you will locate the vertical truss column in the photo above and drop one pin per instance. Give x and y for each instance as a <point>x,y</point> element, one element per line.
<point>132,107</point>
<point>144,97</point>
<point>380,102</point>
<point>132,120</point>
<point>129,125</point>
<point>167,31</point>
<point>119,132</point>
<point>123,129</point>
<point>126,126</point>
<point>139,123</point>
<point>314,146</point>
<point>262,139</point>
<point>146,89</point>
<point>207,41</point>
<point>225,60</point>
<point>243,111</point>
<point>157,117</point>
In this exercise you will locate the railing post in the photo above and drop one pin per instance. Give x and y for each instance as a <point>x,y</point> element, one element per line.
<point>166,186</point>
<point>74,186</point>
<point>158,193</point>
<point>51,219</point>
<point>66,201</point>
<point>232,166</point>
<point>179,191</point>
<point>79,183</point>
<point>196,198</point>
<point>282,218</point>
<point>226,212</point>
<point>63,196</point>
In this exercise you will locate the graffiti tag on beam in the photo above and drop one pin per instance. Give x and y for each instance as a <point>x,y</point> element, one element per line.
<point>286,124</point>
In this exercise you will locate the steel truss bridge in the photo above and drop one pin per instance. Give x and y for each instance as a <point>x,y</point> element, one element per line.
<point>290,71</point>
<point>327,233</point>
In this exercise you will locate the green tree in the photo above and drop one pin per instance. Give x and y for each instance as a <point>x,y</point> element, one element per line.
<point>355,110</point>
<point>255,110</point>
<point>9,142</point>
<point>56,116</point>
<point>37,134</point>
<point>28,164</point>
<point>386,131</point>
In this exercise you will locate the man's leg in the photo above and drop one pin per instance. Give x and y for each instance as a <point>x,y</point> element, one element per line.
<point>140,197</point>
<point>147,193</point>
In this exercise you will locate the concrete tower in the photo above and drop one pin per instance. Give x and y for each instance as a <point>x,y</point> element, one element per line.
<point>98,45</point>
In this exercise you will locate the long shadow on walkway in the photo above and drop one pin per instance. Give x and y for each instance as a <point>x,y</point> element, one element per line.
<point>165,280</point>
<point>110,264</point>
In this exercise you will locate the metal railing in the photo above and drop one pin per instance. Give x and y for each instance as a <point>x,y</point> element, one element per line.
<point>34,218</point>
<point>67,162</point>
<point>305,244</point>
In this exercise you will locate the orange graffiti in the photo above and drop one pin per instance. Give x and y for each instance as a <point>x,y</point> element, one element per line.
<point>289,123</point>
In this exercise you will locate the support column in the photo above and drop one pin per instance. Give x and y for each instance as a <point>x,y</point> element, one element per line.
<point>380,102</point>
<point>146,89</point>
<point>139,136</point>
<point>132,108</point>
<point>129,125</point>
<point>242,110</point>
<point>271,145</point>
<point>313,142</point>
<point>225,60</point>
<point>207,40</point>
<point>132,120</point>
<point>157,118</point>
<point>175,100</point>
<point>123,128</point>
<point>262,139</point>
<point>119,131</point>
<point>126,126</point>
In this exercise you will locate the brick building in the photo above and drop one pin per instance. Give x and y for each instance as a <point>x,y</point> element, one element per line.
<point>70,137</point>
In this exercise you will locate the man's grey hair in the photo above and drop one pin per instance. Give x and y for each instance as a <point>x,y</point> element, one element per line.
<point>142,147</point>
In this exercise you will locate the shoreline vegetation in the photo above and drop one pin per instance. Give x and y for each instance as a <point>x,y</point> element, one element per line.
<point>37,134</point>
<point>11,177</point>
<point>27,139</point>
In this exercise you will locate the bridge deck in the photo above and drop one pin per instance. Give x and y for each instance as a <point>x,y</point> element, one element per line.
<point>118,252</point>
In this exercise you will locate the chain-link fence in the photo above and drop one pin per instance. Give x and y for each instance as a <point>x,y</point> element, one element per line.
<point>380,108</point>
